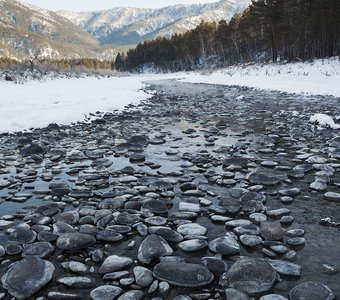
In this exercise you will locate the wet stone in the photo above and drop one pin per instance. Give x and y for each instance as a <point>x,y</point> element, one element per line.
<point>290,192</point>
<point>23,236</point>
<point>311,291</point>
<point>332,196</point>
<point>273,297</point>
<point>191,229</point>
<point>250,240</point>
<point>183,274</point>
<point>166,233</point>
<point>132,295</point>
<point>109,236</point>
<point>286,268</point>
<point>76,282</point>
<point>193,245</point>
<point>13,248</point>
<point>215,265</point>
<point>39,249</point>
<point>263,179</point>
<point>225,245</point>
<point>27,277</point>
<point>143,276</point>
<point>152,247</point>
<point>251,275</point>
<point>75,241</point>
<point>271,231</point>
<point>296,241</point>
<point>105,292</point>
<point>115,263</point>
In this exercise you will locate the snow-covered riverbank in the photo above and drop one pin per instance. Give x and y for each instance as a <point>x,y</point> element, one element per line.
<point>321,77</point>
<point>37,104</point>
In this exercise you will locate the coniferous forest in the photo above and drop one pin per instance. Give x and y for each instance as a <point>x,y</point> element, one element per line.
<point>269,30</point>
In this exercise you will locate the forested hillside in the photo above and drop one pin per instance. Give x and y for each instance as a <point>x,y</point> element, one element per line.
<point>268,30</point>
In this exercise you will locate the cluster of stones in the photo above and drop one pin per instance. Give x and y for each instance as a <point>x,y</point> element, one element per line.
<point>148,231</point>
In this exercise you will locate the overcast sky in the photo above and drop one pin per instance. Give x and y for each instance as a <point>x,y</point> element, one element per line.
<point>85,5</point>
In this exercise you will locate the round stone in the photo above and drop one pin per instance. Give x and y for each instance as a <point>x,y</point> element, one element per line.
<point>263,179</point>
<point>225,245</point>
<point>75,241</point>
<point>251,275</point>
<point>152,247</point>
<point>311,291</point>
<point>183,274</point>
<point>191,229</point>
<point>27,277</point>
<point>192,245</point>
<point>40,249</point>
<point>215,265</point>
<point>115,263</point>
<point>105,292</point>
<point>273,297</point>
<point>132,295</point>
<point>250,240</point>
<point>143,276</point>
<point>271,231</point>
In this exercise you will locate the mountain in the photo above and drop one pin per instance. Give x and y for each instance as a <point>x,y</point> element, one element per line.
<point>26,31</point>
<point>124,25</point>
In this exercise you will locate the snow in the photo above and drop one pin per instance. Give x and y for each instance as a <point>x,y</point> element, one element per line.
<point>323,120</point>
<point>321,77</point>
<point>64,101</point>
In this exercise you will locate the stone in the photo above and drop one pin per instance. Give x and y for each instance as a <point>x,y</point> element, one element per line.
<point>105,292</point>
<point>132,295</point>
<point>192,245</point>
<point>215,265</point>
<point>75,241</point>
<point>225,245</point>
<point>271,231</point>
<point>23,236</point>
<point>166,233</point>
<point>233,294</point>
<point>152,247</point>
<point>109,236</point>
<point>115,263</point>
<point>285,267</point>
<point>76,282</point>
<point>273,297</point>
<point>263,179</point>
<point>311,291</point>
<point>183,274</point>
<point>251,275</point>
<point>191,229</point>
<point>332,196</point>
<point>250,240</point>
<point>39,249</point>
<point>143,276</point>
<point>27,277</point>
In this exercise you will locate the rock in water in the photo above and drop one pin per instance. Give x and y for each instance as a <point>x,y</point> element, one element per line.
<point>251,275</point>
<point>75,241</point>
<point>153,247</point>
<point>311,291</point>
<point>27,276</point>
<point>183,274</point>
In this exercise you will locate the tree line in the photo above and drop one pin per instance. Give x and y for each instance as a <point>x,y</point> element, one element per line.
<point>42,65</point>
<point>268,30</point>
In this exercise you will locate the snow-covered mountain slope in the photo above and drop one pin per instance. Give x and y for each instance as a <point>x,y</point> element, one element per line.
<point>26,30</point>
<point>132,25</point>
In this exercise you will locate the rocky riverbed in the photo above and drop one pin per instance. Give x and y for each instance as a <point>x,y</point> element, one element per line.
<point>201,192</point>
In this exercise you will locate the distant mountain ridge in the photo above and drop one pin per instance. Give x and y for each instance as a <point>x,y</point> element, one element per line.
<point>126,25</point>
<point>27,29</point>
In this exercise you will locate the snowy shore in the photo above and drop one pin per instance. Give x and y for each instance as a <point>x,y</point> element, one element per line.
<point>37,104</point>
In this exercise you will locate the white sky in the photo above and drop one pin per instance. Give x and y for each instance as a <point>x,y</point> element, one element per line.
<point>88,5</point>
